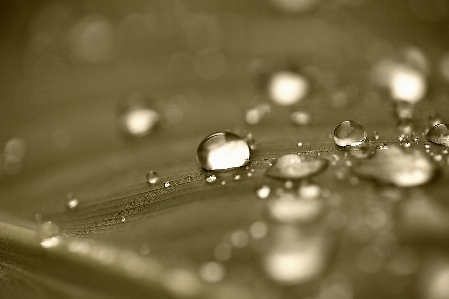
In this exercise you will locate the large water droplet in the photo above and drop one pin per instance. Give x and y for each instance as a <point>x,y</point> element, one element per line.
<point>263,191</point>
<point>349,133</point>
<point>439,134</point>
<point>294,167</point>
<point>49,235</point>
<point>286,88</point>
<point>136,115</point>
<point>403,168</point>
<point>152,177</point>
<point>222,150</point>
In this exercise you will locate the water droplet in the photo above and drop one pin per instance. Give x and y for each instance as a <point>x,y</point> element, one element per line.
<point>72,203</point>
<point>212,271</point>
<point>300,118</point>
<point>375,135</point>
<point>49,235</point>
<point>299,144</point>
<point>286,88</point>
<point>294,167</point>
<point>166,184</point>
<point>255,115</point>
<point>236,177</point>
<point>152,177</point>
<point>123,219</point>
<point>309,191</point>
<point>239,238</point>
<point>258,230</point>
<point>407,84</point>
<point>399,167</point>
<point>263,191</point>
<point>349,133</point>
<point>222,150</point>
<point>136,115</point>
<point>439,134</point>
<point>211,178</point>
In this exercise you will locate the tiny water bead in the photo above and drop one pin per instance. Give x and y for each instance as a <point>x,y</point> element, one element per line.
<point>49,235</point>
<point>152,177</point>
<point>349,133</point>
<point>223,150</point>
<point>211,178</point>
<point>166,184</point>
<point>439,134</point>
<point>136,115</point>
<point>286,88</point>
<point>401,167</point>
<point>295,167</point>
<point>72,203</point>
<point>263,191</point>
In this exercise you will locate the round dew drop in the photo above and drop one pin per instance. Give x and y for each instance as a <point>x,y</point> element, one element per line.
<point>223,150</point>
<point>349,133</point>
<point>152,177</point>
<point>439,134</point>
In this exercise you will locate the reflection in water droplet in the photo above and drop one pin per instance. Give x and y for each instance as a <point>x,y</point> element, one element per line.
<point>211,178</point>
<point>349,133</point>
<point>222,150</point>
<point>166,184</point>
<point>49,235</point>
<point>212,271</point>
<point>136,116</point>
<point>286,88</point>
<point>294,167</point>
<point>399,167</point>
<point>152,177</point>
<point>263,191</point>
<point>439,134</point>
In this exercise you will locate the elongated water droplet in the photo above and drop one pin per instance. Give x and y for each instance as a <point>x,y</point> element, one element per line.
<point>286,88</point>
<point>439,134</point>
<point>294,167</point>
<point>152,177</point>
<point>349,133</point>
<point>49,235</point>
<point>136,115</point>
<point>403,168</point>
<point>222,150</point>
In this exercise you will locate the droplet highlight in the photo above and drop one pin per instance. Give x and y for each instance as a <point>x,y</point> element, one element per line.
<point>223,150</point>
<point>152,177</point>
<point>439,134</point>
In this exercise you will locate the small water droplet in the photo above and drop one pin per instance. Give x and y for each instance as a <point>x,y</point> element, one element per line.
<point>263,191</point>
<point>299,144</point>
<point>166,184</point>
<point>222,150</point>
<point>223,183</point>
<point>375,135</point>
<point>136,115</point>
<point>123,219</point>
<point>152,177</point>
<point>349,133</point>
<point>309,191</point>
<point>211,178</point>
<point>72,203</point>
<point>439,134</point>
<point>294,167</point>
<point>405,142</point>
<point>426,145</point>
<point>236,177</point>
<point>212,271</point>
<point>286,88</point>
<point>300,118</point>
<point>49,234</point>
